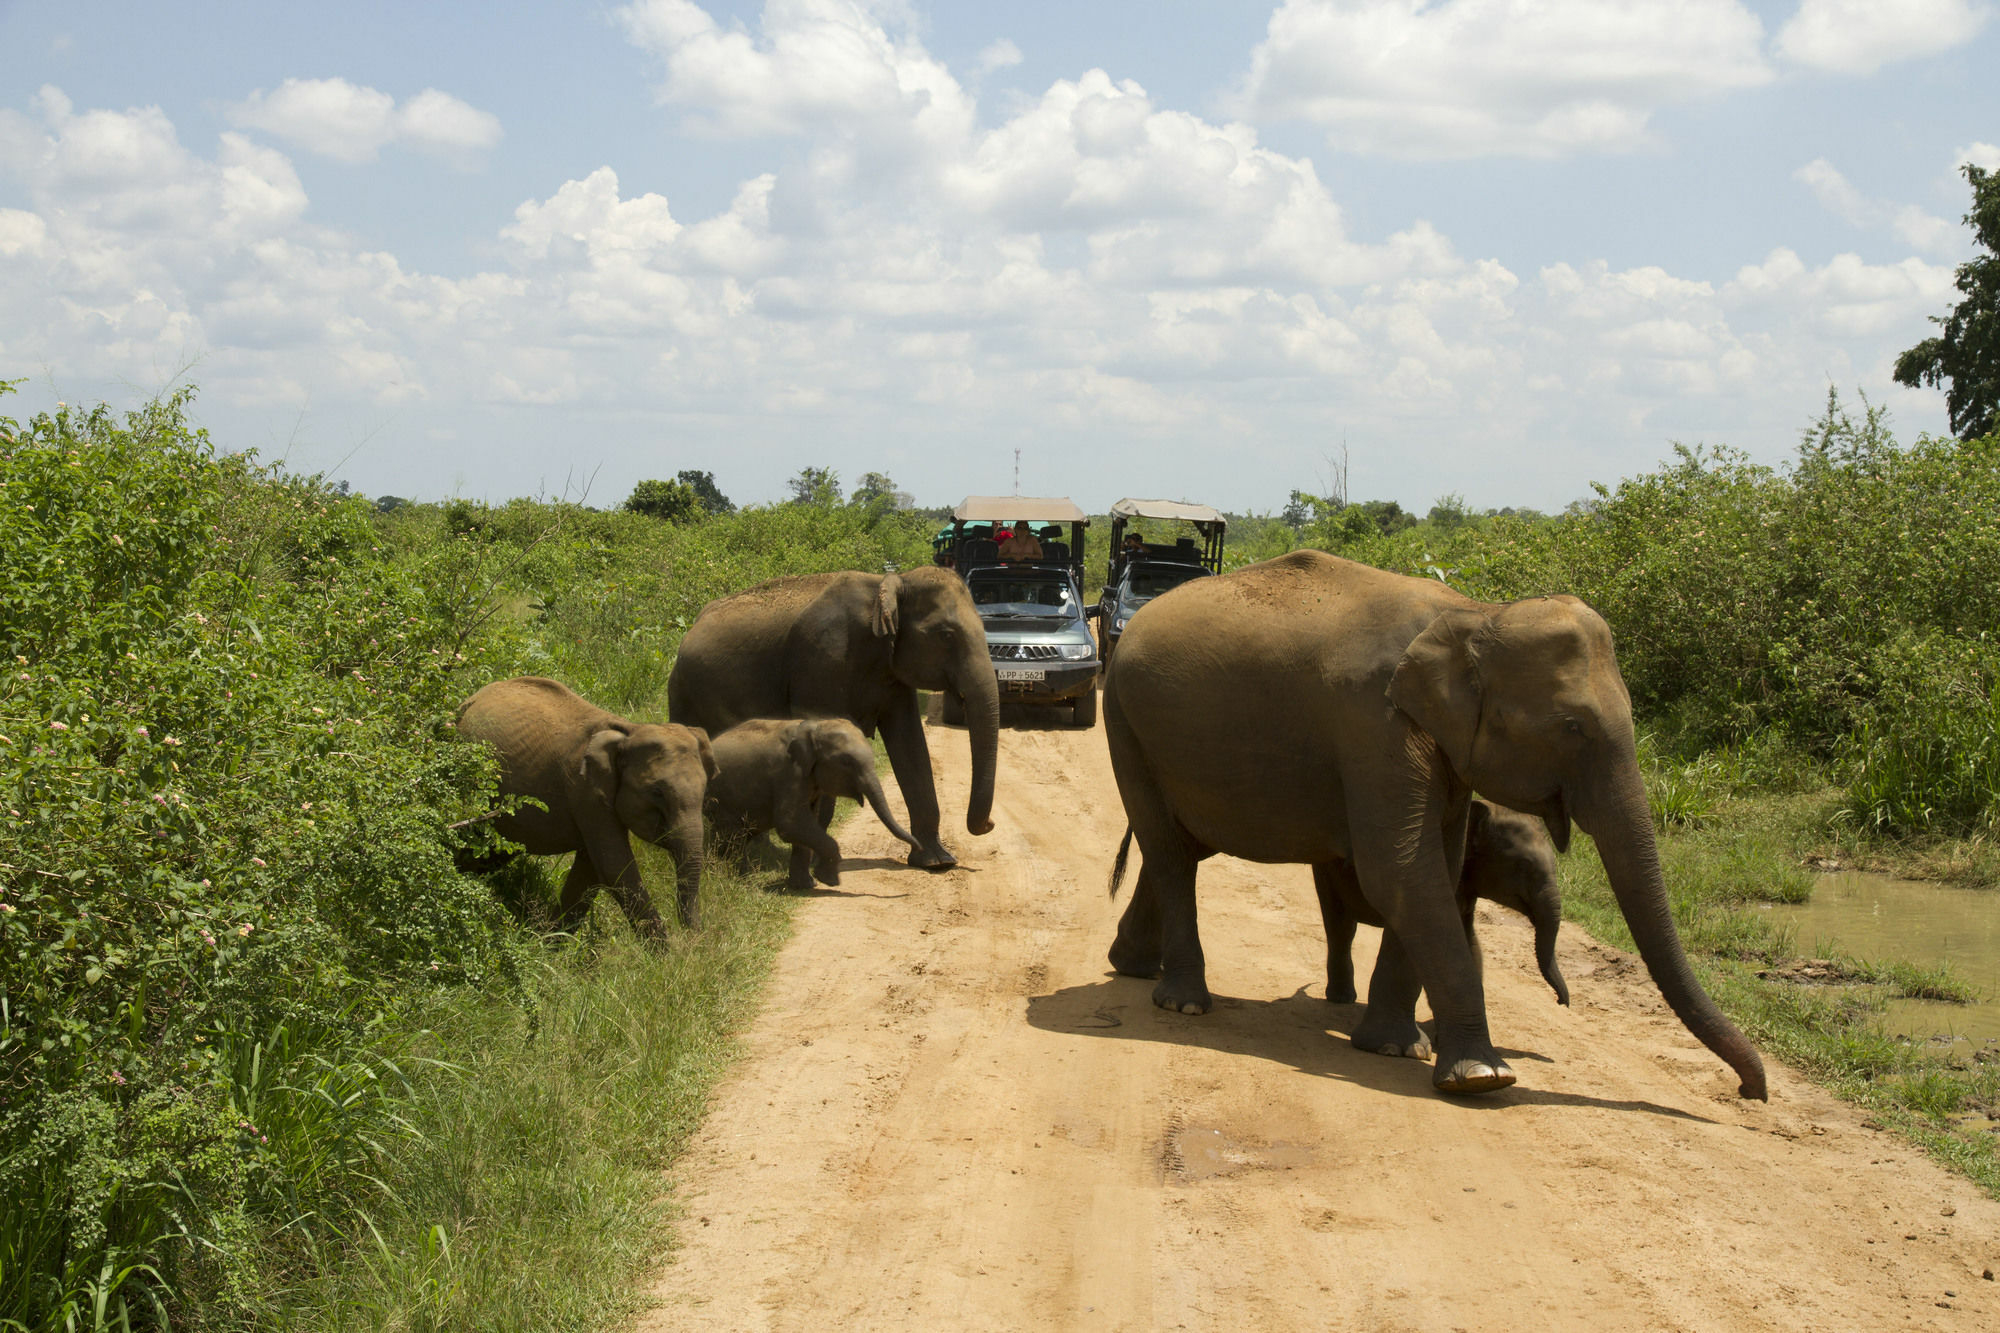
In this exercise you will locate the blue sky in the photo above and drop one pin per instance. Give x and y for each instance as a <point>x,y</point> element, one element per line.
<point>1499,248</point>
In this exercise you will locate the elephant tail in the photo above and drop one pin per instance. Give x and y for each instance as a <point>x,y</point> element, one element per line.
<point>1118,866</point>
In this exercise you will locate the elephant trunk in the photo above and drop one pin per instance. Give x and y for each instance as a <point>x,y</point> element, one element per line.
<point>1622,826</point>
<point>684,842</point>
<point>1545,911</point>
<point>872,789</point>
<point>979,689</point>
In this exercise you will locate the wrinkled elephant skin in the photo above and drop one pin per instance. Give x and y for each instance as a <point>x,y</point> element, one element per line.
<point>778,772</point>
<point>603,779</point>
<point>1313,710</point>
<point>855,646</point>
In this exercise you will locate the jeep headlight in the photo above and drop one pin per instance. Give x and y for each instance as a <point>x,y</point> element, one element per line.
<point>1073,652</point>
<point>1119,624</point>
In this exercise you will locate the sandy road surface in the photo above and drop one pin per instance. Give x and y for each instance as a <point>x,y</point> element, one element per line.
<point>953,1117</point>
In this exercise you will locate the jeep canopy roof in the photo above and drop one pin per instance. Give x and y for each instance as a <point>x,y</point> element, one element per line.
<point>1207,522</point>
<point>1166,510</point>
<point>1007,508</point>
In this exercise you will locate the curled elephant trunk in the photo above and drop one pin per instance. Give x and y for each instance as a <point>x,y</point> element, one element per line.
<point>1623,829</point>
<point>979,688</point>
<point>880,805</point>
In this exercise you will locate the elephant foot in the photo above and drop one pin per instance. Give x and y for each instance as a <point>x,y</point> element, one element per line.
<point>932,857</point>
<point>1134,960</point>
<point>1338,994</point>
<point>828,873</point>
<point>1471,1075</point>
<point>1183,996</point>
<point>1402,1038</point>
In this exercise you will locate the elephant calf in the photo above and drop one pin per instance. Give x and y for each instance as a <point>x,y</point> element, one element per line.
<point>1509,860</point>
<point>602,778</point>
<point>783,774</point>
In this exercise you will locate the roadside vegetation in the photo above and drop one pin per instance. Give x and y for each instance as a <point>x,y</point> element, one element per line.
<point>268,1061</point>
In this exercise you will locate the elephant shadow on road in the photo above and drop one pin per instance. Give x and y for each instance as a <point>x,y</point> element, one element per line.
<point>766,863</point>
<point>1299,1030</point>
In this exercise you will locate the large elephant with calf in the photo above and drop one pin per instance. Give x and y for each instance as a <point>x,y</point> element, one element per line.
<point>857,646</point>
<point>1309,709</point>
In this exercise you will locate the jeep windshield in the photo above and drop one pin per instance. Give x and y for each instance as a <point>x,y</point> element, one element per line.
<point>1005,595</point>
<point>1146,582</point>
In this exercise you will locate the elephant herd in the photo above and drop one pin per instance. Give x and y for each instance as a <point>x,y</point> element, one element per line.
<point>1306,709</point>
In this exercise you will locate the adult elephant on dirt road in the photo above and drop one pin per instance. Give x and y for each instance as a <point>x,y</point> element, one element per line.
<point>1310,709</point>
<point>857,646</point>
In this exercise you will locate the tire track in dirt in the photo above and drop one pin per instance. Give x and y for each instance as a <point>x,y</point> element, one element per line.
<point>950,1115</point>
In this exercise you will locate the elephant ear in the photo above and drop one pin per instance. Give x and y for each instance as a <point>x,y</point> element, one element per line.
<point>799,748</point>
<point>1436,685</point>
<point>599,768</point>
<point>708,764</point>
<point>884,618</point>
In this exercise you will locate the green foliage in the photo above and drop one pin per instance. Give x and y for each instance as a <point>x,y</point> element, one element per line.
<point>1966,355</point>
<point>672,501</point>
<point>224,798</point>
<point>815,486</point>
<point>713,501</point>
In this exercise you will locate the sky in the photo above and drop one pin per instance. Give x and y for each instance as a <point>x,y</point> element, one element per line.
<point>1496,249</point>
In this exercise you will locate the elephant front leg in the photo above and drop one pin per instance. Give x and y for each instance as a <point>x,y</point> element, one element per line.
<point>815,855</point>
<point>579,890</point>
<point>614,848</point>
<point>910,761</point>
<point>1389,1025</point>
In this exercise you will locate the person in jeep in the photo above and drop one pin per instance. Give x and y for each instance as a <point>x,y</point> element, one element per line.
<point>1022,544</point>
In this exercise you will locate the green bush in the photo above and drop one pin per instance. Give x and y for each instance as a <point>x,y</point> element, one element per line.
<point>225,794</point>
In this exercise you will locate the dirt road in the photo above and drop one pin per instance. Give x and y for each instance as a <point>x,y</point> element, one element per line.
<point>953,1117</point>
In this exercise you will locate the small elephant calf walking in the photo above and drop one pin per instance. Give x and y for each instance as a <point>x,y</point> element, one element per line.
<point>783,774</point>
<point>602,778</point>
<point>1510,859</point>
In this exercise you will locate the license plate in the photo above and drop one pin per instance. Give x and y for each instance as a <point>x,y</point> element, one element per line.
<point>1021,673</point>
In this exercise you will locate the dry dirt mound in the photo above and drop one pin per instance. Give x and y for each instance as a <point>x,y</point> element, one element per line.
<point>953,1116</point>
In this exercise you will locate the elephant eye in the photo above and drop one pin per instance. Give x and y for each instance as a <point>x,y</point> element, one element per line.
<point>1572,726</point>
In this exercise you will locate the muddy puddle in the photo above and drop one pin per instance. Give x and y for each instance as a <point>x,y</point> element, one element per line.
<point>1878,918</point>
<point>1199,1152</point>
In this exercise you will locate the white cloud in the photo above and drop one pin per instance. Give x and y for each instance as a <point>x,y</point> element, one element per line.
<point>1088,270</point>
<point>1912,225</point>
<point>352,123</point>
<point>1985,156</point>
<point>817,59</point>
<point>1466,78</point>
<point>1861,36</point>
<point>1002,54</point>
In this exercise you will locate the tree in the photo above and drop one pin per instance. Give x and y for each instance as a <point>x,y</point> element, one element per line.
<point>877,491</point>
<point>673,501</point>
<point>1300,510</point>
<point>815,486</point>
<point>1449,511</point>
<point>1967,355</point>
<point>713,501</point>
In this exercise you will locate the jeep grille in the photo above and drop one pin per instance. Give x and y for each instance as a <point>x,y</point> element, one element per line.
<point>1025,652</point>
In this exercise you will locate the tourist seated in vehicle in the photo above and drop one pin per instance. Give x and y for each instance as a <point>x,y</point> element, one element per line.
<point>1022,544</point>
